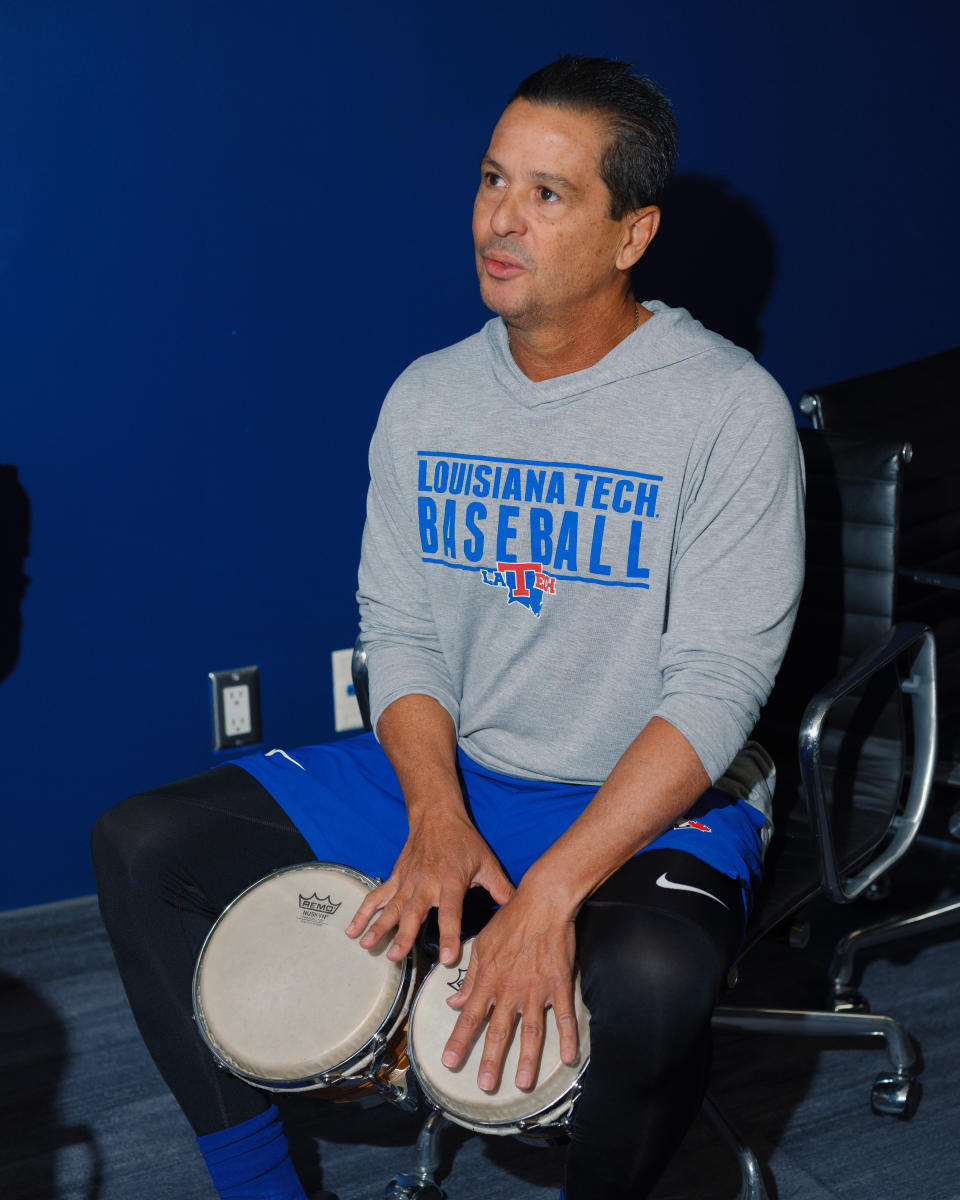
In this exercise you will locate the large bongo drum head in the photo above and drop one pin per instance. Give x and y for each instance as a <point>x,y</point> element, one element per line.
<point>281,994</point>
<point>507,1109</point>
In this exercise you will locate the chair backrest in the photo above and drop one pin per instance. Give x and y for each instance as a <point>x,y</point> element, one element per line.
<point>848,603</point>
<point>917,402</point>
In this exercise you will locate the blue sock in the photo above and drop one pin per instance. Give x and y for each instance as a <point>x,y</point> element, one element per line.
<point>251,1161</point>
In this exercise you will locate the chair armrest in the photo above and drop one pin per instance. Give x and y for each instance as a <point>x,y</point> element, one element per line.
<point>809,404</point>
<point>937,579</point>
<point>921,686</point>
<point>361,682</point>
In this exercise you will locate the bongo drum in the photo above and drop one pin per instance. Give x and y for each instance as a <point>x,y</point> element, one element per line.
<point>541,1112</point>
<point>285,1000</point>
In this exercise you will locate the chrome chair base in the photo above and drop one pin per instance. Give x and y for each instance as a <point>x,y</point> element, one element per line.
<point>752,1186</point>
<point>843,963</point>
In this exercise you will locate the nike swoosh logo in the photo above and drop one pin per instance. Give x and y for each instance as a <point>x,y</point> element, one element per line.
<point>664,882</point>
<point>285,755</point>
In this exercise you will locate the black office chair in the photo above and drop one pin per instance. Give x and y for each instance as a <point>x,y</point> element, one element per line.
<point>841,818</point>
<point>917,403</point>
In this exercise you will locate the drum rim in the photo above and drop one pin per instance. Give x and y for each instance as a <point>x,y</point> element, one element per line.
<point>561,1104</point>
<point>331,1076</point>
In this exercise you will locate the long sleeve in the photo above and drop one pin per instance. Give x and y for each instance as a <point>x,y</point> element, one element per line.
<point>737,573</point>
<point>396,617</point>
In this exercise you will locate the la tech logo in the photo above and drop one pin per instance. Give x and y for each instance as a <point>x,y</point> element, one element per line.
<point>525,582</point>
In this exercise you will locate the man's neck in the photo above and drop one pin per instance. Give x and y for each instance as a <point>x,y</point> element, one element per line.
<point>545,350</point>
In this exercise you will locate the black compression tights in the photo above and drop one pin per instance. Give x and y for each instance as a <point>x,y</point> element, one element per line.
<point>169,861</point>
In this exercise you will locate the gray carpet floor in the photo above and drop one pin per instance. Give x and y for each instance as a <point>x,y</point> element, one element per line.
<point>86,1117</point>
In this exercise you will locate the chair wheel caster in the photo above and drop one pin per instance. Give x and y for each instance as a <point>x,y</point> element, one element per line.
<point>896,1096</point>
<point>851,1001</point>
<point>407,1187</point>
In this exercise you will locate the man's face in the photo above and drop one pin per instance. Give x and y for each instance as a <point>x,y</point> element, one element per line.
<point>546,246</point>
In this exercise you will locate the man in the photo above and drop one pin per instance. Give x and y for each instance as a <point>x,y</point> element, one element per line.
<point>580,569</point>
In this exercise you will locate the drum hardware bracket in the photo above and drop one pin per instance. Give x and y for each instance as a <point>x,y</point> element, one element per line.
<point>567,1118</point>
<point>402,1097</point>
<point>378,1044</point>
<point>399,1094</point>
<point>530,1130</point>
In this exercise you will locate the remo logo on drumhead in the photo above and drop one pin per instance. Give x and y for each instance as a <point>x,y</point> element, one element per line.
<point>457,984</point>
<point>315,910</point>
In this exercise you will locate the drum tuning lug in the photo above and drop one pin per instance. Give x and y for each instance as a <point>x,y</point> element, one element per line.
<point>378,1044</point>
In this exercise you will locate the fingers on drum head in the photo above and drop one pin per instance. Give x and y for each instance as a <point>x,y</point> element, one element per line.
<point>506,1109</point>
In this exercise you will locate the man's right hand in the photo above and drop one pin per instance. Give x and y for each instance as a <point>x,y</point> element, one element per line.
<point>444,854</point>
<point>443,857</point>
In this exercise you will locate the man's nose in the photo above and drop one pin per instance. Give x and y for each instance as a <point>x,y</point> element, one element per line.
<point>507,217</point>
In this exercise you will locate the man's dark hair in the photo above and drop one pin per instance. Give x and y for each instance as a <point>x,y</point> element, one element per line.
<point>642,152</point>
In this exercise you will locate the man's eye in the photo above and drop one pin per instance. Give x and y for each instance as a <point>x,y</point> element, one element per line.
<point>492,179</point>
<point>548,195</point>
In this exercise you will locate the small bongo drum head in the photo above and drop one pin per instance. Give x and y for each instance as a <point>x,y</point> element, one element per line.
<point>280,992</point>
<point>457,1091</point>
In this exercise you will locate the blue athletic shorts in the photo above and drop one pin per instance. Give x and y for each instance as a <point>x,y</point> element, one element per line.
<point>345,799</point>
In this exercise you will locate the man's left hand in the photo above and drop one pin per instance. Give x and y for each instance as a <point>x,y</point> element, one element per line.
<point>521,965</point>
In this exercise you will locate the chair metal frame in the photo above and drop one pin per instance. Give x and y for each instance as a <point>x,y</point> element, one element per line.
<point>895,1092</point>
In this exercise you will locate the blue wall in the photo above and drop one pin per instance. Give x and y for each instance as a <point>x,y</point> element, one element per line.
<point>225,225</point>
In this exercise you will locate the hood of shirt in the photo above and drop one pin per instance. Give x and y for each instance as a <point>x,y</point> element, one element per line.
<point>670,336</point>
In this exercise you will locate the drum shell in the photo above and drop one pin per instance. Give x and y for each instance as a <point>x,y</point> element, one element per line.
<point>380,1048</point>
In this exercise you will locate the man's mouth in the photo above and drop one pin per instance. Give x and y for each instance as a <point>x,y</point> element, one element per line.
<point>502,266</point>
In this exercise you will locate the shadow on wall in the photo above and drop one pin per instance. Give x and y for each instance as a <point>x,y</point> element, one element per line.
<point>14,547</point>
<point>714,255</point>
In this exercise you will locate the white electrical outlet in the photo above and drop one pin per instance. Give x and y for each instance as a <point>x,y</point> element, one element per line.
<point>235,700</point>
<point>236,710</point>
<point>346,711</point>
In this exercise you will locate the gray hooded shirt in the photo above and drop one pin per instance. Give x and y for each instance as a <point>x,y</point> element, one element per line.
<point>558,562</point>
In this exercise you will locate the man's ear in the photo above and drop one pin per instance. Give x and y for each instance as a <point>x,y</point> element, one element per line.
<point>640,228</point>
